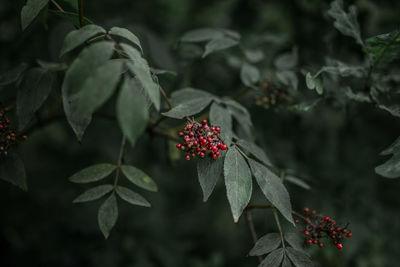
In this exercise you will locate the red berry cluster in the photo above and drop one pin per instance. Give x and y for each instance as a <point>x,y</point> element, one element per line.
<point>201,139</point>
<point>8,137</point>
<point>317,228</point>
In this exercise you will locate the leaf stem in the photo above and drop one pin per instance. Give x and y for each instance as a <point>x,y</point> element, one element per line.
<point>119,162</point>
<point>279,227</point>
<point>165,97</point>
<point>249,218</point>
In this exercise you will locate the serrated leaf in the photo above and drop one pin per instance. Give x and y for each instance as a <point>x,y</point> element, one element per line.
<point>202,35</point>
<point>273,188</point>
<point>108,215</point>
<point>295,241</point>
<point>219,116</point>
<point>125,33</point>
<point>187,102</point>
<point>72,17</point>
<point>31,10</point>
<point>286,262</point>
<point>139,178</point>
<point>266,244</point>
<point>12,75</point>
<point>208,172</point>
<point>219,44</point>
<point>299,259</point>
<point>77,37</point>
<point>273,259</point>
<point>391,168</point>
<point>132,113</point>
<point>93,173</point>
<point>12,170</point>
<point>94,193</point>
<point>383,47</point>
<point>75,78</point>
<point>255,150</point>
<point>346,23</point>
<point>31,94</point>
<point>237,181</point>
<point>141,69</point>
<point>249,74</point>
<point>132,197</point>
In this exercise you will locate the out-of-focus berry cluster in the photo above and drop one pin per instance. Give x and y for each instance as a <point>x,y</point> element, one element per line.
<point>8,137</point>
<point>201,139</point>
<point>318,228</point>
<point>269,97</point>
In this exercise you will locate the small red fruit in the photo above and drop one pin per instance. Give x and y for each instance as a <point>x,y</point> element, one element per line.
<point>349,235</point>
<point>339,246</point>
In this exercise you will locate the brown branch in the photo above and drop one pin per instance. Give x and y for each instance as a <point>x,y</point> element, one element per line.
<point>81,17</point>
<point>249,218</point>
<point>120,159</point>
<point>251,207</point>
<point>165,97</point>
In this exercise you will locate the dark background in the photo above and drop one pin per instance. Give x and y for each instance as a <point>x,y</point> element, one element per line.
<point>335,146</point>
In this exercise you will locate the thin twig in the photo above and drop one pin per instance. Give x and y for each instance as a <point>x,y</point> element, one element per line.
<point>81,17</point>
<point>279,227</point>
<point>252,207</point>
<point>57,6</point>
<point>119,162</point>
<point>252,230</point>
<point>165,97</point>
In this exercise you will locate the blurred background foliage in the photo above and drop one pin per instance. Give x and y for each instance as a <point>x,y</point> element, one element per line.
<point>335,145</point>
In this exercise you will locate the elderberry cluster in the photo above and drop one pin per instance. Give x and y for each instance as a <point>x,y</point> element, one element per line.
<point>318,228</point>
<point>270,96</point>
<point>8,137</point>
<point>201,139</point>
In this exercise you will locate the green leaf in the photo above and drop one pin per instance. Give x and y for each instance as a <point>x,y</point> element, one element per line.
<point>32,93</point>
<point>295,241</point>
<point>93,173</point>
<point>255,150</point>
<point>139,178</point>
<point>221,117</point>
<point>359,96</point>
<point>209,171</point>
<point>299,258</point>
<point>383,47</point>
<point>202,35</point>
<point>12,170</point>
<point>125,33</point>
<point>391,168</point>
<point>141,69</point>
<point>219,44</point>
<point>72,3</point>
<point>254,56</point>
<point>288,78</point>
<point>286,262</point>
<point>342,69</point>
<point>77,37</point>
<point>310,81</point>
<point>73,18</point>
<point>132,113</point>
<point>314,83</point>
<point>12,75</point>
<point>274,259</point>
<point>52,66</point>
<point>187,102</point>
<point>94,193</point>
<point>108,215</point>
<point>132,197</point>
<point>393,109</point>
<point>392,149</point>
<point>266,244</point>
<point>273,188</point>
<point>306,106</point>
<point>31,10</point>
<point>346,23</point>
<point>287,61</point>
<point>297,181</point>
<point>237,181</point>
<point>249,74</point>
<point>239,112</point>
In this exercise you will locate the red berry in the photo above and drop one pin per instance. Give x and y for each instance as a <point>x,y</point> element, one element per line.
<point>214,156</point>
<point>306,232</point>
<point>344,231</point>
<point>224,147</point>
<point>204,122</point>
<point>313,212</point>
<point>202,154</point>
<point>306,210</point>
<point>321,245</point>
<point>218,153</point>
<point>309,242</point>
<point>349,235</point>
<point>217,129</point>
<point>181,134</point>
<point>187,157</point>
<point>296,221</point>
<point>339,246</point>
<point>178,145</point>
<point>315,241</point>
<point>326,219</point>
